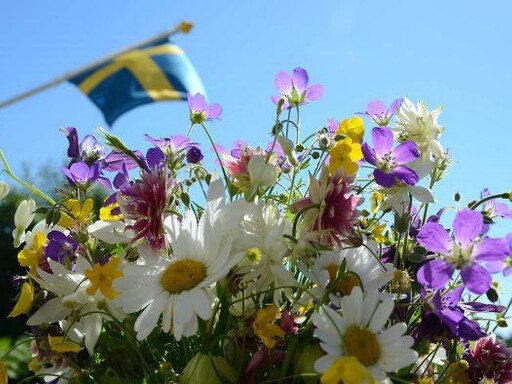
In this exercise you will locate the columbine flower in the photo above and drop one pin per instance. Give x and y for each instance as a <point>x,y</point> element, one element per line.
<point>200,112</point>
<point>389,162</point>
<point>82,174</point>
<point>4,189</point>
<point>377,111</point>
<point>60,247</point>
<point>265,328</point>
<point>490,359</point>
<point>262,173</point>
<point>177,288</point>
<point>360,333</point>
<point>22,219</point>
<point>294,88</point>
<point>145,201</point>
<point>337,205</point>
<point>420,125</point>
<point>476,257</point>
<point>71,298</point>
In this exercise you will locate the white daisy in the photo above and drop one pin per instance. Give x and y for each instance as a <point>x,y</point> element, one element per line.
<point>177,288</point>
<point>72,298</point>
<point>363,269</point>
<point>361,333</point>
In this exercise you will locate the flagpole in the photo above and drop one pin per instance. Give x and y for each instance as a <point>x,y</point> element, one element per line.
<point>183,27</point>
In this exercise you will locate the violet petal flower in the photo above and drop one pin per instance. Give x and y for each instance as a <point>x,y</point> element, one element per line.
<point>173,144</point>
<point>82,174</point>
<point>389,162</point>
<point>200,112</point>
<point>294,88</point>
<point>377,111</point>
<point>60,247</point>
<point>474,256</point>
<point>72,136</point>
<point>194,155</point>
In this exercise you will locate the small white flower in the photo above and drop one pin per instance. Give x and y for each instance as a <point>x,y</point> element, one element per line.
<point>4,189</point>
<point>22,219</point>
<point>397,197</point>
<point>361,333</point>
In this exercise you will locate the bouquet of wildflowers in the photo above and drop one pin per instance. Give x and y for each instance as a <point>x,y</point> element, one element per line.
<point>317,257</point>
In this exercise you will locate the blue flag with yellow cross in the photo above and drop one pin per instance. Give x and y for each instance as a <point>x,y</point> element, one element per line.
<point>154,72</point>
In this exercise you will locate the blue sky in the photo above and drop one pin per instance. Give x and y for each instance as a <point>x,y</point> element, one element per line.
<point>452,53</point>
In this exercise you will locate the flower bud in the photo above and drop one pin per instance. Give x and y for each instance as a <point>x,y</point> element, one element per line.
<point>4,189</point>
<point>212,369</point>
<point>24,213</point>
<point>304,360</point>
<point>288,148</point>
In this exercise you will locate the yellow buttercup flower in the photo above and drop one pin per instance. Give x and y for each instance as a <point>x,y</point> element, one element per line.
<point>25,300</point>
<point>106,212</point>
<point>376,200</point>
<point>345,154</point>
<point>265,328</point>
<point>80,212</point>
<point>378,233</point>
<point>102,277</point>
<point>347,370</point>
<point>353,128</point>
<point>31,257</point>
<point>62,345</point>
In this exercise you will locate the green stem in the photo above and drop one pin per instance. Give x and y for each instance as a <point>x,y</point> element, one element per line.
<point>299,214</point>
<point>218,158</point>
<point>492,197</point>
<point>26,185</point>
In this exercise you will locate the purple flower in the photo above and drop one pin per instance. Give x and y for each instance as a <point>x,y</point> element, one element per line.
<point>377,111</point>
<point>60,247</point>
<point>388,161</point>
<point>294,88</point>
<point>172,145</point>
<point>493,209</point>
<point>200,112</point>
<point>194,155</point>
<point>508,262</point>
<point>475,257</point>
<point>446,313</point>
<point>332,126</point>
<point>82,174</point>
<point>115,161</point>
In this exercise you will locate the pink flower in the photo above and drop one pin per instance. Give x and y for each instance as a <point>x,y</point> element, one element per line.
<point>336,210</point>
<point>145,202</point>
<point>491,359</point>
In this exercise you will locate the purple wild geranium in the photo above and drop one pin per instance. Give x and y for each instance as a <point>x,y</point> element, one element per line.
<point>493,209</point>
<point>508,262</point>
<point>89,150</point>
<point>389,162</point>
<point>377,111</point>
<point>476,257</point>
<point>194,155</point>
<point>173,145</point>
<point>446,312</point>
<point>60,247</point>
<point>200,112</point>
<point>294,88</point>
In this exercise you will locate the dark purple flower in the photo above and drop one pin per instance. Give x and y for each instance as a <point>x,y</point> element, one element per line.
<point>82,174</point>
<point>289,323</point>
<point>60,247</point>
<point>200,112</point>
<point>194,155</point>
<point>445,314</point>
<point>474,256</point>
<point>155,159</point>
<point>377,111</point>
<point>294,88</point>
<point>89,150</point>
<point>390,163</point>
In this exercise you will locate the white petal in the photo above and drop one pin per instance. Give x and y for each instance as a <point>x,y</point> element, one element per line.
<point>50,312</point>
<point>92,328</point>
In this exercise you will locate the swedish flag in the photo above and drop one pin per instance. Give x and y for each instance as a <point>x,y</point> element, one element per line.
<point>154,72</point>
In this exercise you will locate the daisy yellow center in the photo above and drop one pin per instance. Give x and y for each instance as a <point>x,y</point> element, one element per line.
<point>344,285</point>
<point>183,275</point>
<point>362,344</point>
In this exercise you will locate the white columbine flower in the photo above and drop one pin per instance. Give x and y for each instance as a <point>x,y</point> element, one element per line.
<point>361,333</point>
<point>176,288</point>
<point>73,298</point>
<point>4,189</point>
<point>22,219</point>
<point>397,197</point>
